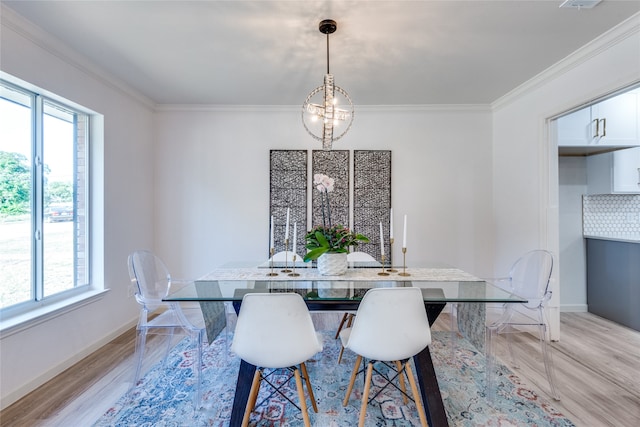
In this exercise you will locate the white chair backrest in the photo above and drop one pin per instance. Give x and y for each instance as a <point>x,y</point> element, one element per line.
<point>151,278</point>
<point>274,330</point>
<point>390,324</point>
<point>285,255</point>
<point>359,256</point>
<point>530,276</point>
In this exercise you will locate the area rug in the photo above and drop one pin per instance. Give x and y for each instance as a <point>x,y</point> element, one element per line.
<point>163,397</point>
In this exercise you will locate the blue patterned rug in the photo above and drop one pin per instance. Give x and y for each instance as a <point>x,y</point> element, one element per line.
<point>163,396</point>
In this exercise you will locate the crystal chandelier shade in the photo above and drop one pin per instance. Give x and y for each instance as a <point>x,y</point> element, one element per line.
<point>327,113</point>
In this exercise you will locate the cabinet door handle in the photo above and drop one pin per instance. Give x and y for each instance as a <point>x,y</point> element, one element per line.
<point>597,122</point>
<point>604,127</point>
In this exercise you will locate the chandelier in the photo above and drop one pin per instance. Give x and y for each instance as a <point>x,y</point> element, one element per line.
<point>327,113</point>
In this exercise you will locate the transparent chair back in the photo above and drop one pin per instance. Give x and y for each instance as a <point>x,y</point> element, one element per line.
<point>528,278</point>
<point>152,282</point>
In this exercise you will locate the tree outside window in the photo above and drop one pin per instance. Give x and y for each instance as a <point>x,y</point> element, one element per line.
<point>43,197</point>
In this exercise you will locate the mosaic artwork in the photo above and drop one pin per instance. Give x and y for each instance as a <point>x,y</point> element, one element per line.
<point>288,185</point>
<point>372,200</point>
<point>334,164</point>
<point>371,194</point>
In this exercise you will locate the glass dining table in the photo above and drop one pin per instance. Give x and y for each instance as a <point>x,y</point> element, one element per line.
<point>439,284</point>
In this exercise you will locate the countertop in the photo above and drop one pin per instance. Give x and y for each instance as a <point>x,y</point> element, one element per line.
<point>626,238</point>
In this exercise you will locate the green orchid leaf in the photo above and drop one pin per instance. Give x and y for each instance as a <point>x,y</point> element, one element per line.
<point>321,239</point>
<point>315,253</point>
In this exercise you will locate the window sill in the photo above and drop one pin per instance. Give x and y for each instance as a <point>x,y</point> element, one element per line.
<point>15,324</point>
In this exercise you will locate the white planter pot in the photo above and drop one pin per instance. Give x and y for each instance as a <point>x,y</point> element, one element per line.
<point>332,264</point>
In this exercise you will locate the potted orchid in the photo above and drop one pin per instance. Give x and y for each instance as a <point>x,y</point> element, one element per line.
<point>327,239</point>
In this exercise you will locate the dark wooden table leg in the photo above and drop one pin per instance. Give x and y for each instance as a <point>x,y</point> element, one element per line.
<point>243,387</point>
<point>431,397</point>
<point>429,389</point>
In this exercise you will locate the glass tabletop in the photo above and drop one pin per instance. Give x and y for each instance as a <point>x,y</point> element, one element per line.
<point>438,291</point>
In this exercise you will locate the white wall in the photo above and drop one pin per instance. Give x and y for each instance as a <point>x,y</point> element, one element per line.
<point>525,173</point>
<point>212,181</point>
<point>572,183</point>
<point>124,162</point>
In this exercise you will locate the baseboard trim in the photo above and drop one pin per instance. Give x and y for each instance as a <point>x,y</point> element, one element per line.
<point>573,308</point>
<point>30,386</point>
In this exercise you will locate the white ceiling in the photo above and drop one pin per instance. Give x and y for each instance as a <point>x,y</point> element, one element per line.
<point>271,52</point>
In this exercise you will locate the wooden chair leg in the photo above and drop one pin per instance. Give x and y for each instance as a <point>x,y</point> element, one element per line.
<point>403,386</point>
<point>303,402</point>
<point>253,396</point>
<point>416,396</point>
<point>344,319</point>
<point>340,355</point>
<point>365,395</point>
<point>350,320</point>
<point>352,380</point>
<point>309,388</point>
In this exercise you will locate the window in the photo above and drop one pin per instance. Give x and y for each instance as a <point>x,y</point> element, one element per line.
<point>44,153</point>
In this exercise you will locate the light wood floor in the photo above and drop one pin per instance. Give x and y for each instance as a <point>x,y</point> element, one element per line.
<point>597,366</point>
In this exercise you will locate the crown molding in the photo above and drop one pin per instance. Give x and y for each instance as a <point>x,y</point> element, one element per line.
<point>624,30</point>
<point>480,108</point>
<point>9,19</point>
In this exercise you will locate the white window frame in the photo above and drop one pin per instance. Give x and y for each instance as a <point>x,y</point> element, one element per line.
<point>23,315</point>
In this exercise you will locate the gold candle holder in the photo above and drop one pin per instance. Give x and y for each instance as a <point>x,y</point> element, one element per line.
<point>404,263</point>
<point>383,273</point>
<point>272,273</point>
<point>286,256</point>
<point>391,270</point>
<point>294,274</point>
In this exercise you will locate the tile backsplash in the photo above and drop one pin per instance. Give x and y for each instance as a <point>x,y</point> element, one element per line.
<point>611,215</point>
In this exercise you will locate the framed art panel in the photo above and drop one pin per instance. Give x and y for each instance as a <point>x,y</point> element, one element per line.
<point>372,199</point>
<point>288,189</point>
<point>334,164</point>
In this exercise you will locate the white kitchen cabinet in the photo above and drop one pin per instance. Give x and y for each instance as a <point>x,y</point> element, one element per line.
<point>574,130</point>
<point>614,172</point>
<point>626,171</point>
<point>610,123</point>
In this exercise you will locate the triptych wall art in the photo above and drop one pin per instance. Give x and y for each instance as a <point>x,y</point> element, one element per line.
<point>288,189</point>
<point>361,198</point>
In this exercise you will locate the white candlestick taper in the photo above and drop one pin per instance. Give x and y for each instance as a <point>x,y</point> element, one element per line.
<point>295,236</point>
<point>271,246</point>
<point>286,228</point>
<point>404,233</point>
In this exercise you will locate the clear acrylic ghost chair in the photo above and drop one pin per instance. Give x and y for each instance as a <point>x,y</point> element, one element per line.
<point>152,282</point>
<point>528,278</point>
<point>391,326</point>
<point>284,318</point>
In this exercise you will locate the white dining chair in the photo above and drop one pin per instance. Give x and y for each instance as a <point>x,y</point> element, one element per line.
<point>390,327</point>
<point>275,331</point>
<point>347,317</point>
<point>152,282</point>
<point>358,256</point>
<point>285,255</point>
<point>528,278</point>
